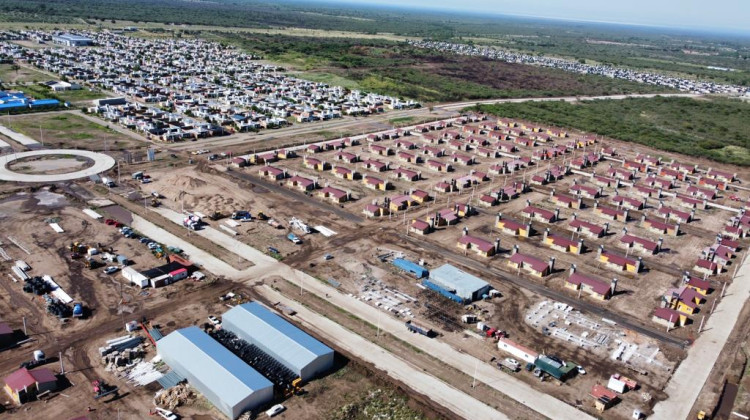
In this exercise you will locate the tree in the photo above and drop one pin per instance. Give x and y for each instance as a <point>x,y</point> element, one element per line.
<point>15,67</point>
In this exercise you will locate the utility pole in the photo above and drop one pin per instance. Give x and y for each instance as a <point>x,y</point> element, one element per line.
<point>24,327</point>
<point>62,367</point>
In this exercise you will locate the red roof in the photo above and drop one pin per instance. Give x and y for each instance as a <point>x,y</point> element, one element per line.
<point>481,244</point>
<point>599,391</point>
<point>20,379</point>
<point>536,264</point>
<point>597,286</point>
<point>667,314</point>
<point>698,283</point>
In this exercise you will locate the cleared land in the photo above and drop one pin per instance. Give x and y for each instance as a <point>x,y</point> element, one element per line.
<point>67,130</point>
<point>713,128</point>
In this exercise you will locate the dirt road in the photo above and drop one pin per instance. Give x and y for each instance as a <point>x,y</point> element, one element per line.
<point>263,268</point>
<point>691,375</point>
<point>580,304</point>
<point>447,396</point>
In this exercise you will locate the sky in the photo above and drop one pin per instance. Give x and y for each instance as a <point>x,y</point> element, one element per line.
<point>721,15</point>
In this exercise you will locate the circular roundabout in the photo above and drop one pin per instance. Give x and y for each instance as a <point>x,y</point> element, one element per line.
<point>101,163</point>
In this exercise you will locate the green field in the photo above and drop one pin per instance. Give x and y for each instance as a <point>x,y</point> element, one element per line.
<point>9,74</point>
<point>713,128</point>
<point>70,131</point>
<point>395,68</point>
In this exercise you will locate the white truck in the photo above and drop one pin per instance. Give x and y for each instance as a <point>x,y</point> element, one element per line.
<point>108,182</point>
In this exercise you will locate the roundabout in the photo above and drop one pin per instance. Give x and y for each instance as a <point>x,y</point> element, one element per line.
<point>101,163</point>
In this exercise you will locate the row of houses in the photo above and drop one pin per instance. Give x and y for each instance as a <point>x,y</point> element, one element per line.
<point>205,81</point>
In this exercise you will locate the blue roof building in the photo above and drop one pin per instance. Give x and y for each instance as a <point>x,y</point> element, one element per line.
<point>411,267</point>
<point>230,384</point>
<point>459,283</point>
<point>278,338</point>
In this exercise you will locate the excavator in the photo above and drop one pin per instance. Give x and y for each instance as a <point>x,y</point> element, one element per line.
<point>101,389</point>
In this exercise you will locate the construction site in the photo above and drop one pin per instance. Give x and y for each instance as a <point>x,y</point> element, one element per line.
<point>489,268</point>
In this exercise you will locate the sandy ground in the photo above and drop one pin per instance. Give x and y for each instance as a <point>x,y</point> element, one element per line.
<point>689,378</point>
<point>461,404</point>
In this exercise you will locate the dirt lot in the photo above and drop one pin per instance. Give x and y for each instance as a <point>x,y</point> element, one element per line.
<point>66,130</point>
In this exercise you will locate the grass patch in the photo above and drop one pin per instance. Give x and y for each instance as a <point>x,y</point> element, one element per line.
<point>8,74</point>
<point>715,128</point>
<point>68,130</point>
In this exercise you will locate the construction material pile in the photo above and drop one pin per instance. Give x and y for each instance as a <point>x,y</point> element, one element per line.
<point>175,396</point>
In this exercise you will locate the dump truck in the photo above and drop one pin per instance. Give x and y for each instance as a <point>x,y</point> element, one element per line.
<point>294,238</point>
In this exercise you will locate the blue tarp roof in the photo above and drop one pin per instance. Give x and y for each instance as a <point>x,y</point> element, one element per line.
<point>45,102</point>
<point>10,105</point>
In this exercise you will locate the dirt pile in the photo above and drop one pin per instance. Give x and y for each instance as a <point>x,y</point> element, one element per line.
<point>196,194</point>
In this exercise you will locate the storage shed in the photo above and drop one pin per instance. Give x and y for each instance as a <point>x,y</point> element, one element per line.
<point>230,384</point>
<point>410,267</point>
<point>278,338</point>
<point>458,282</point>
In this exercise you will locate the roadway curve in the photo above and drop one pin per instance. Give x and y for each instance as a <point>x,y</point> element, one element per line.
<point>102,163</point>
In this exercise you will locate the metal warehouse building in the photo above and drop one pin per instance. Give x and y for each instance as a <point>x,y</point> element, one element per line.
<point>281,340</point>
<point>223,378</point>
<point>459,282</point>
<point>72,40</point>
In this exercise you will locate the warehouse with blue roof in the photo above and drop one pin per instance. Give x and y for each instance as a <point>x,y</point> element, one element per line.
<point>224,379</point>
<point>278,338</point>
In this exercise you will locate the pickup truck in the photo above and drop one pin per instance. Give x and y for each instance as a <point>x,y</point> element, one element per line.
<point>294,238</point>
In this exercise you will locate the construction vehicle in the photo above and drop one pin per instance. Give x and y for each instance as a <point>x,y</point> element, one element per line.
<point>261,216</point>
<point>702,415</point>
<point>91,263</point>
<point>78,247</point>
<point>242,216</point>
<point>38,360</point>
<point>77,310</point>
<point>102,389</point>
<point>216,215</point>
<point>416,328</point>
<point>138,175</point>
<point>155,202</point>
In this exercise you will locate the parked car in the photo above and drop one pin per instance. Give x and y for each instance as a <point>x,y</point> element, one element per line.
<point>513,362</point>
<point>110,270</point>
<point>581,370</point>
<point>276,409</point>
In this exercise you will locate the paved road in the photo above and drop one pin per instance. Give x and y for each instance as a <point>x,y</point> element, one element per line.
<point>19,138</point>
<point>433,388</point>
<point>494,273</point>
<point>685,385</point>
<point>102,163</point>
